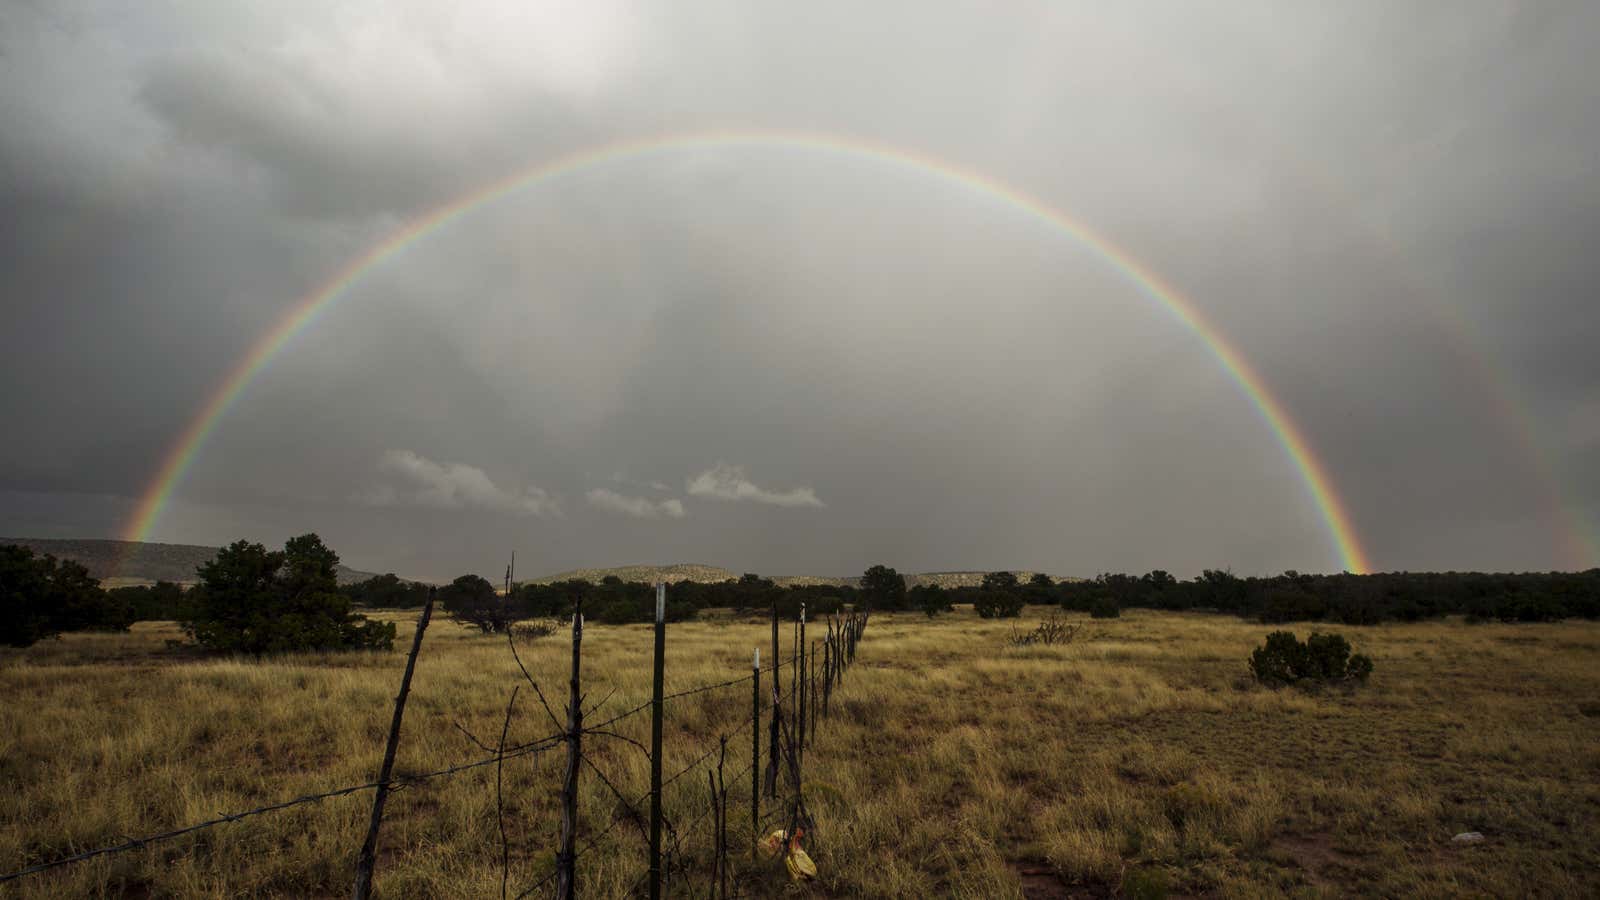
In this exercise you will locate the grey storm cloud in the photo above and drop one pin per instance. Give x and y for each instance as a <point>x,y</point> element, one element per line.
<point>1385,209</point>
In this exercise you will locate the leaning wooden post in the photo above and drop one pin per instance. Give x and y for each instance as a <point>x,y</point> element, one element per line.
<point>811,693</point>
<point>755,752</point>
<point>369,848</point>
<point>716,858</point>
<point>794,685</point>
<point>836,631</point>
<point>827,670</point>
<point>658,682</point>
<point>800,685</point>
<point>777,666</point>
<point>566,860</point>
<point>722,820</point>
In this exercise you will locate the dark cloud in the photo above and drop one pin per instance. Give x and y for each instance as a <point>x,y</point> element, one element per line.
<point>1387,211</point>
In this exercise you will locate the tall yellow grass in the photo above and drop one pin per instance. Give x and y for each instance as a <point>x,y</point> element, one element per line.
<point>952,764</point>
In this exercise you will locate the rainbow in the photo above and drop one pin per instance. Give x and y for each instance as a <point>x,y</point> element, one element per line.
<point>1313,473</point>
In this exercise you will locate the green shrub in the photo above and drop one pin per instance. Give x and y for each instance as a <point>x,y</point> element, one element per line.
<point>1360,667</point>
<point>998,605</point>
<point>1284,659</point>
<point>1105,608</point>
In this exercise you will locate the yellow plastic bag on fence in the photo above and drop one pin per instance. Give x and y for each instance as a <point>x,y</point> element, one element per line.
<point>796,860</point>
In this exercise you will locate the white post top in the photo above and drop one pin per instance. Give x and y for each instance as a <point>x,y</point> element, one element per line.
<point>802,612</point>
<point>758,658</point>
<point>661,601</point>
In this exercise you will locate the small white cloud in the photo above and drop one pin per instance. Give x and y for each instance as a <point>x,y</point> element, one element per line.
<point>725,482</point>
<point>434,485</point>
<point>638,507</point>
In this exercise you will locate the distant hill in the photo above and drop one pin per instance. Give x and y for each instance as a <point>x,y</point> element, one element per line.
<point>120,563</point>
<point>701,573</point>
<point>913,579</point>
<point>646,574</point>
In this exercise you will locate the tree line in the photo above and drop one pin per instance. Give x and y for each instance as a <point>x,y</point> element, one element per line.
<point>1289,597</point>
<point>247,599</point>
<point>252,600</point>
<point>473,599</point>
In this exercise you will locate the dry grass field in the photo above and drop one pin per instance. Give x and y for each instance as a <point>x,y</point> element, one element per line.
<point>1137,761</point>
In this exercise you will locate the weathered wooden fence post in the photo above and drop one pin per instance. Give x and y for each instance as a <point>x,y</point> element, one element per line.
<point>777,666</point>
<point>566,860</point>
<point>369,848</point>
<point>755,752</point>
<point>827,668</point>
<point>658,685</point>
<point>811,693</point>
<point>800,685</point>
<point>795,686</point>
<point>722,820</point>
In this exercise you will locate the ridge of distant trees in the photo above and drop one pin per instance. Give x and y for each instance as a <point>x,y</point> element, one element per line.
<point>249,590</point>
<point>1290,597</point>
<point>473,601</point>
<point>1295,597</point>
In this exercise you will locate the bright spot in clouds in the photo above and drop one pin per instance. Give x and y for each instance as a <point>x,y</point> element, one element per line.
<point>725,482</point>
<point>637,507</point>
<point>419,481</point>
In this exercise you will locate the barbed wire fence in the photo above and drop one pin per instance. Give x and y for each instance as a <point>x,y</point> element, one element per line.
<point>792,718</point>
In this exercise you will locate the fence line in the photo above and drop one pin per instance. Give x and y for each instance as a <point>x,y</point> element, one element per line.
<point>531,749</point>
<point>839,648</point>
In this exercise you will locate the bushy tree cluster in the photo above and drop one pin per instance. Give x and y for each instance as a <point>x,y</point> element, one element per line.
<point>41,596</point>
<point>388,591</point>
<point>883,588</point>
<point>252,600</point>
<point>160,602</point>
<point>931,599</point>
<point>998,604</point>
<point>473,600</point>
<point>1001,594</point>
<point>1283,659</point>
<point>615,601</point>
<point>1346,598</point>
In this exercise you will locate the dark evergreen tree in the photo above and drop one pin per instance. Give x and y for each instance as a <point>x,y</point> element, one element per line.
<point>883,588</point>
<point>251,600</point>
<point>472,599</point>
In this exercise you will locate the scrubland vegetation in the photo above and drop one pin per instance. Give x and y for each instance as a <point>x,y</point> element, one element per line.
<point>1138,758</point>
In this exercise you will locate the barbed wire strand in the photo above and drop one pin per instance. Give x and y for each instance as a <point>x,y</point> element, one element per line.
<point>530,749</point>
<point>689,692</point>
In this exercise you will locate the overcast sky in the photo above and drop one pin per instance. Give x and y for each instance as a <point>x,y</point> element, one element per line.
<point>785,360</point>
